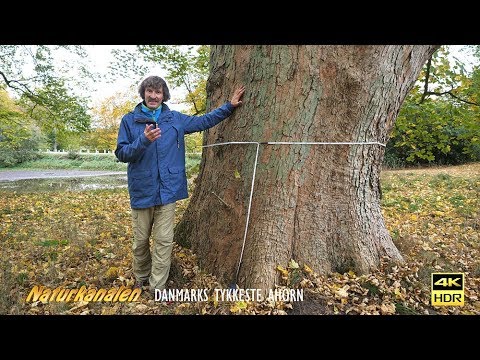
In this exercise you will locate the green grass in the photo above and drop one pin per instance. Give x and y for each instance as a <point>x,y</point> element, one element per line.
<point>402,309</point>
<point>66,238</point>
<point>372,289</point>
<point>440,180</point>
<point>48,243</point>
<point>69,161</point>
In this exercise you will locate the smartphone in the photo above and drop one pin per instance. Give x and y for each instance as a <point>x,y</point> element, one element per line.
<point>151,122</point>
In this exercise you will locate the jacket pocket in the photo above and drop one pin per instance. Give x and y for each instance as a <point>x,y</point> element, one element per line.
<point>176,175</point>
<point>175,169</point>
<point>141,184</point>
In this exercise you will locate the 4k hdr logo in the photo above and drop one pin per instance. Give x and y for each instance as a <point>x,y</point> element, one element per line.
<point>448,289</point>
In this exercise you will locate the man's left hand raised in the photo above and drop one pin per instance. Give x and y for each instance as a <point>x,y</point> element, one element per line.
<point>237,95</point>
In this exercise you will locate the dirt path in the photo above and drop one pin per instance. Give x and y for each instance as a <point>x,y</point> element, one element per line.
<point>12,175</point>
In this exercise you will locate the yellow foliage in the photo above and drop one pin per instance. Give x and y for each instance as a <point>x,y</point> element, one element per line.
<point>283,271</point>
<point>112,273</point>
<point>82,238</point>
<point>307,269</point>
<point>238,307</point>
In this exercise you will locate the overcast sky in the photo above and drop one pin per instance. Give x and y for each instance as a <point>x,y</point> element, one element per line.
<point>101,58</point>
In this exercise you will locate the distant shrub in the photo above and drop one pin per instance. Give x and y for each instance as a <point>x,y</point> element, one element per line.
<point>10,157</point>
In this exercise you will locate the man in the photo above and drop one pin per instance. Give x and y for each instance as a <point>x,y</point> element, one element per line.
<point>151,140</point>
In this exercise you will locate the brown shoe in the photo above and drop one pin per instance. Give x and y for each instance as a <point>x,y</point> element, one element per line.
<point>152,292</point>
<point>147,294</point>
<point>139,284</point>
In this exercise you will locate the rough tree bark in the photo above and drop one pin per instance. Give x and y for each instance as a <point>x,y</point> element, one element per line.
<point>317,204</point>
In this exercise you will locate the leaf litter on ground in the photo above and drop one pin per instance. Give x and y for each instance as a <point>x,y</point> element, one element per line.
<point>74,238</point>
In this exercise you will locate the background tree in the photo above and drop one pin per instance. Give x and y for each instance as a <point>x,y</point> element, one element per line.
<point>187,68</point>
<point>316,204</point>
<point>33,74</point>
<point>439,120</point>
<point>18,133</point>
<point>106,119</point>
<point>61,116</point>
<point>24,69</point>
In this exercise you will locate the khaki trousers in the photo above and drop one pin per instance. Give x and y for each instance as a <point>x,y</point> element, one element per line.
<point>153,265</point>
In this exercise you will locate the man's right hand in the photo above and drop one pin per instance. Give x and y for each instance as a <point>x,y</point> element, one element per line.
<point>152,134</point>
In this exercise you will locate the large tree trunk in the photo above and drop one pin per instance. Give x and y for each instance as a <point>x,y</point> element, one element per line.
<point>317,204</point>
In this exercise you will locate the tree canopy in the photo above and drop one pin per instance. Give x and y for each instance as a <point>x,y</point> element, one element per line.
<point>25,69</point>
<point>438,121</point>
<point>187,67</point>
<point>46,88</point>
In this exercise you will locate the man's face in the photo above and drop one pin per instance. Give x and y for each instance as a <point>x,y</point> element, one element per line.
<point>153,98</point>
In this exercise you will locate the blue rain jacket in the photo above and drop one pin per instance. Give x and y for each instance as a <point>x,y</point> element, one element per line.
<point>156,170</point>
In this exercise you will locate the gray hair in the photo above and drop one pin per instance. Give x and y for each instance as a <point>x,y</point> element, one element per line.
<point>156,83</point>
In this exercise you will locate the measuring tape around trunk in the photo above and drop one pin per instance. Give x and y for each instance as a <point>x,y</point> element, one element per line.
<point>255,170</point>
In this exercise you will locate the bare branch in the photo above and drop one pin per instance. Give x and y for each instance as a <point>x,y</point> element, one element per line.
<point>5,78</point>
<point>452,95</point>
<point>187,85</point>
<point>427,77</point>
<point>427,93</point>
<point>11,82</point>
<point>27,92</point>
